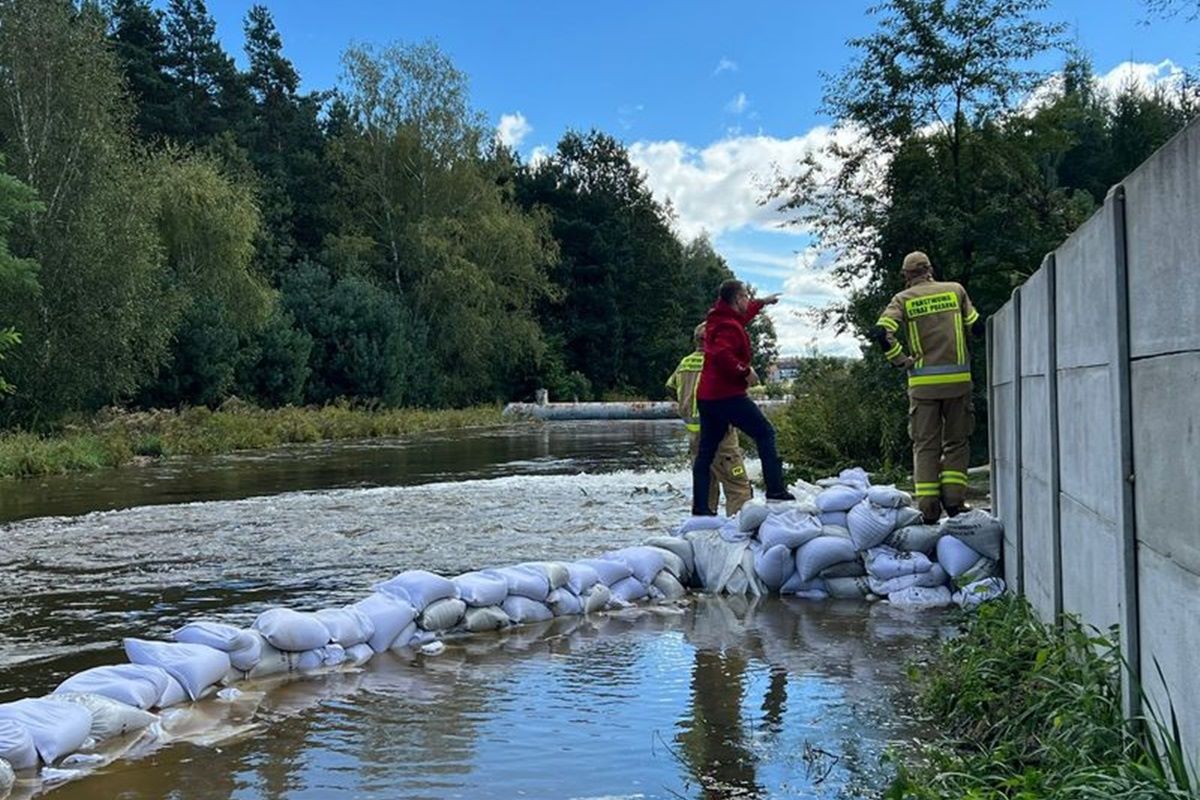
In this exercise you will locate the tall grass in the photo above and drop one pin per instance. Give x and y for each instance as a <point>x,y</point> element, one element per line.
<point>1031,711</point>
<point>115,438</point>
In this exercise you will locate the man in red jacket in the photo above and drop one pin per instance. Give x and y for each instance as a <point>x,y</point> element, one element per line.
<point>721,396</point>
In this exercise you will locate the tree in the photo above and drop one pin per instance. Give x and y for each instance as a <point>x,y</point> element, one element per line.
<point>141,49</point>
<point>18,276</point>
<point>102,320</point>
<point>211,96</point>
<point>440,233</point>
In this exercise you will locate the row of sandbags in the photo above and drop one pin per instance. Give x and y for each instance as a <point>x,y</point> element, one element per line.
<point>413,609</point>
<point>846,538</point>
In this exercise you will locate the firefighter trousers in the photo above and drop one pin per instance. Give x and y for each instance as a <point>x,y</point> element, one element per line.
<point>940,431</point>
<point>728,472</point>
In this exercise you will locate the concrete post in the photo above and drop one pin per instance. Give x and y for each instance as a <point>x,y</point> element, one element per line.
<point>1055,482</point>
<point>1018,510</point>
<point>1126,518</point>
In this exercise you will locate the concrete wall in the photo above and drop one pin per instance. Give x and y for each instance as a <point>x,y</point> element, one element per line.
<point>1162,227</point>
<point>1096,410</point>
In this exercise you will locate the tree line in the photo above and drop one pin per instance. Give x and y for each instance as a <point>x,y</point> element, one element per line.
<point>176,230</point>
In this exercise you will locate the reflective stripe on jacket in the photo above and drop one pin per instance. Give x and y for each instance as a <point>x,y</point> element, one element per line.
<point>934,316</point>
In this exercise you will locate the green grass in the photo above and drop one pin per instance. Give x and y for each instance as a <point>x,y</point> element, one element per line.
<point>1030,711</point>
<point>113,439</point>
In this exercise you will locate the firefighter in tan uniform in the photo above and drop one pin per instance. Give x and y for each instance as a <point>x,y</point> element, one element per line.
<point>728,469</point>
<point>935,317</point>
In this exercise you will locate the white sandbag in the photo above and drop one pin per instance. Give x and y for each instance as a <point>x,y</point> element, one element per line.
<point>791,528</point>
<point>976,594</point>
<point>724,566</point>
<point>271,661</point>
<point>8,777</point>
<point>347,626</point>
<point>174,694</point>
<point>847,588</point>
<point>581,578</point>
<point>109,718</point>
<point>389,615</point>
<point>981,570</point>
<point>836,531</point>
<point>908,516</point>
<point>889,497</point>
<point>317,659</point>
<point>886,562</point>
<point>936,576</point>
<point>921,597</point>
<point>195,666</point>
<point>837,519</point>
<point>610,572</point>
<point>359,654</point>
<point>524,581</point>
<point>870,524</point>
<point>645,562</point>
<point>523,610</point>
<point>955,557</point>
<point>137,685</point>
<point>419,587</point>
<point>410,636</point>
<point>752,516</point>
<point>805,493</point>
<point>822,552</point>
<point>677,545</point>
<point>596,598</point>
<point>730,532</point>
<point>565,603</point>
<point>57,728</point>
<point>856,477</point>
<point>774,566</point>
<point>629,590</point>
<point>442,615</point>
<point>669,586</point>
<point>915,538</point>
<point>796,586</point>
<point>556,572</point>
<point>481,589</point>
<point>217,635</point>
<point>979,530</point>
<point>16,745</point>
<point>844,569</point>
<point>293,631</point>
<point>486,618</point>
<point>673,563</point>
<point>245,658</point>
<point>702,523</point>
<point>840,498</point>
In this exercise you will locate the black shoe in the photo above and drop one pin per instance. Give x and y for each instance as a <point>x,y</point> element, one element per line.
<point>781,496</point>
<point>954,511</point>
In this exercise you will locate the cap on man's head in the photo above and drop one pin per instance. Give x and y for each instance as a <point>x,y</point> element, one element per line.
<point>916,263</point>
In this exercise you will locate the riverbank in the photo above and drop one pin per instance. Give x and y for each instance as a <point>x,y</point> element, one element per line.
<point>113,439</point>
<point>1033,711</point>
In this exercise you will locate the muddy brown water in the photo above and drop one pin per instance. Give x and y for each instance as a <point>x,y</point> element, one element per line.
<point>717,698</point>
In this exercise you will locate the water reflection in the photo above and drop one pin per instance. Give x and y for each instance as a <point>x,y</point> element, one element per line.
<point>703,703</point>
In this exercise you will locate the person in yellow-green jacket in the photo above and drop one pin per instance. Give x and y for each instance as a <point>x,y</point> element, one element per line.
<point>934,317</point>
<point>728,468</point>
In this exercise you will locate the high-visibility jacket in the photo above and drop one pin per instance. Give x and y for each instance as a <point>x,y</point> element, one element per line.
<point>684,381</point>
<point>934,316</point>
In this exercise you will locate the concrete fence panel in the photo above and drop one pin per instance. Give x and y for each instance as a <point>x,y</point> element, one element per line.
<point>1163,246</point>
<point>1087,437</point>
<point>1004,455</point>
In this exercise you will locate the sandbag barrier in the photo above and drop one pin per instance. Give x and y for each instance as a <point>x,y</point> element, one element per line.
<point>842,539</point>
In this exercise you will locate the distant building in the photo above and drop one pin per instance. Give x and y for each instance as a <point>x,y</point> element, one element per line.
<point>786,369</point>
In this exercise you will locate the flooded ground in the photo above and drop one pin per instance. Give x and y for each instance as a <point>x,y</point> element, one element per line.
<point>717,699</point>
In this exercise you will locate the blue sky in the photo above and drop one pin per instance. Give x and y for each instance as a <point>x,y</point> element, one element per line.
<point>707,95</point>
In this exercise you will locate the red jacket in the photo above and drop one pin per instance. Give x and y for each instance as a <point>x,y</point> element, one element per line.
<point>726,351</point>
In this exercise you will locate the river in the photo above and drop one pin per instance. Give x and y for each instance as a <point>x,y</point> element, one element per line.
<point>717,698</point>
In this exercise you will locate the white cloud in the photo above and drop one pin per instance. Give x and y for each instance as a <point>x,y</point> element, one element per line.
<point>513,129</point>
<point>718,188</point>
<point>738,104</point>
<point>538,155</point>
<point>725,65</point>
<point>1140,75</point>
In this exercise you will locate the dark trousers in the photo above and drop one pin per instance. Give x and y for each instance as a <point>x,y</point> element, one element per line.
<point>715,418</point>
